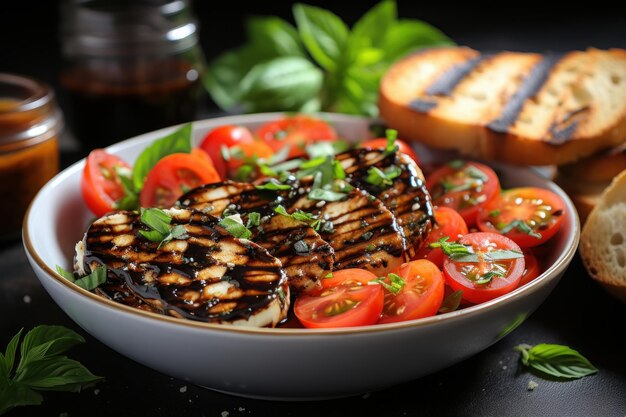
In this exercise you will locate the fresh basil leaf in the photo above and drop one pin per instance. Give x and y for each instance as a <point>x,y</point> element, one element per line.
<point>556,361</point>
<point>406,36</point>
<point>273,37</point>
<point>57,373</point>
<point>521,226</point>
<point>273,186</point>
<point>65,273</point>
<point>8,359</point>
<point>254,219</point>
<point>326,195</point>
<point>283,83</point>
<point>235,228</point>
<point>488,276</point>
<point>368,33</point>
<point>323,33</point>
<point>175,142</point>
<point>14,394</point>
<point>93,280</point>
<point>223,76</point>
<point>55,339</point>
<point>152,235</point>
<point>320,151</point>
<point>451,302</point>
<point>157,220</point>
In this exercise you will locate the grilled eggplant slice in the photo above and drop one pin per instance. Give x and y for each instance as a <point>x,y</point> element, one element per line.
<point>282,236</point>
<point>405,195</point>
<point>209,275</point>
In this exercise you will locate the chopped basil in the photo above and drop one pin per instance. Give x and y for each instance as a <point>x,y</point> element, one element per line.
<point>451,302</point>
<point>370,248</point>
<point>273,185</point>
<point>89,282</point>
<point>395,285</point>
<point>377,177</point>
<point>456,164</point>
<point>495,213</point>
<point>326,195</point>
<point>462,253</point>
<point>391,135</point>
<point>329,275</point>
<point>367,236</point>
<point>235,227</point>
<point>521,226</point>
<point>308,218</point>
<point>254,219</point>
<point>488,276</point>
<point>556,361</point>
<point>160,224</point>
<point>476,173</point>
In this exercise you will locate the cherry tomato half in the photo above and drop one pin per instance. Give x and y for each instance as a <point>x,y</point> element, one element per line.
<point>245,152</point>
<point>224,136</point>
<point>296,132</point>
<point>463,186</point>
<point>529,216</point>
<point>449,223</point>
<point>531,269</point>
<point>174,175</point>
<point>421,295</point>
<point>349,303</point>
<point>100,184</point>
<point>484,280</point>
<point>382,143</point>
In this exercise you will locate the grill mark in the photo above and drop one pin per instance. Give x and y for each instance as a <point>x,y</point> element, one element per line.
<point>446,83</point>
<point>529,88</point>
<point>563,131</point>
<point>125,272</point>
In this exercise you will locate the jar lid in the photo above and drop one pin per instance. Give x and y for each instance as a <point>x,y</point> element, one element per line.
<point>125,28</point>
<point>28,112</point>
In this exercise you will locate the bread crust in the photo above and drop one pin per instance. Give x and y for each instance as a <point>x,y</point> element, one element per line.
<point>476,139</point>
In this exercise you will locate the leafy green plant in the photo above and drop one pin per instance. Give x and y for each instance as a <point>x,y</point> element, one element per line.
<point>320,64</point>
<point>41,367</point>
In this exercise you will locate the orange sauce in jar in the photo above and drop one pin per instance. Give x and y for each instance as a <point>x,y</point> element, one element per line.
<point>30,123</point>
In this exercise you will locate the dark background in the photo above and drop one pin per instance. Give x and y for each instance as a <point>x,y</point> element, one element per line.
<point>578,313</point>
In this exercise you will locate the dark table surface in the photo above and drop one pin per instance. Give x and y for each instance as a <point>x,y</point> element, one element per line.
<point>578,313</point>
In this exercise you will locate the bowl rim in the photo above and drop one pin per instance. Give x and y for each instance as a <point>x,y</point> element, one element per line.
<point>551,273</point>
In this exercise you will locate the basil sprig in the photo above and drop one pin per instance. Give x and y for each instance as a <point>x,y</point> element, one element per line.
<point>41,367</point>
<point>160,226</point>
<point>89,282</point>
<point>557,361</point>
<point>178,141</point>
<point>234,225</point>
<point>320,64</point>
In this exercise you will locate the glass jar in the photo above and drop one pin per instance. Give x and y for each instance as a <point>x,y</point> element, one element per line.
<point>130,67</point>
<point>30,123</point>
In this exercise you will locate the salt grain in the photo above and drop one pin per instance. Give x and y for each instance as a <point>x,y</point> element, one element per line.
<point>532,385</point>
<point>183,389</point>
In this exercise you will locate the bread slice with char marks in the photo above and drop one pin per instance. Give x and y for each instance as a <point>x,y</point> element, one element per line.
<point>521,108</point>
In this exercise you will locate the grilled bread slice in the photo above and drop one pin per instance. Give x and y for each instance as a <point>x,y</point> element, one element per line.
<point>603,239</point>
<point>276,233</point>
<point>208,275</point>
<point>521,108</point>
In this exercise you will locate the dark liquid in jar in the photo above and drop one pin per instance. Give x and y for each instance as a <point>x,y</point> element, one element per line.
<point>109,104</point>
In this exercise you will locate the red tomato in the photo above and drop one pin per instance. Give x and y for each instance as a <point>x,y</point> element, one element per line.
<point>538,214</point>
<point>349,303</point>
<point>100,184</point>
<point>174,175</point>
<point>246,151</point>
<point>296,132</point>
<point>348,276</point>
<point>465,188</point>
<point>531,269</point>
<point>421,295</point>
<point>449,223</point>
<point>466,276</point>
<point>382,143</point>
<point>228,136</point>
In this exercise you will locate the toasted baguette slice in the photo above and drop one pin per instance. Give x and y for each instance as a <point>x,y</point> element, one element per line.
<point>603,240</point>
<point>521,108</point>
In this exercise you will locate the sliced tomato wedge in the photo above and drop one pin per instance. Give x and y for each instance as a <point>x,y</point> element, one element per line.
<point>224,136</point>
<point>296,132</point>
<point>531,269</point>
<point>529,216</point>
<point>421,295</point>
<point>381,143</point>
<point>448,223</point>
<point>242,154</point>
<point>173,176</point>
<point>485,279</point>
<point>100,184</point>
<point>351,302</point>
<point>464,186</point>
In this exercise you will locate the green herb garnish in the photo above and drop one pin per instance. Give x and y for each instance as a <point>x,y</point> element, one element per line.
<point>326,195</point>
<point>254,219</point>
<point>41,367</point>
<point>392,136</point>
<point>234,225</point>
<point>495,213</point>
<point>451,302</point>
<point>380,178</point>
<point>88,282</point>
<point>314,221</point>
<point>273,185</point>
<point>456,164</point>
<point>320,64</point>
<point>395,285</point>
<point>161,230</point>
<point>462,253</point>
<point>521,226</point>
<point>556,361</point>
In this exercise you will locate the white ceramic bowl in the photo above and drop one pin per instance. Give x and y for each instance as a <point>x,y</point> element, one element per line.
<point>276,363</point>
